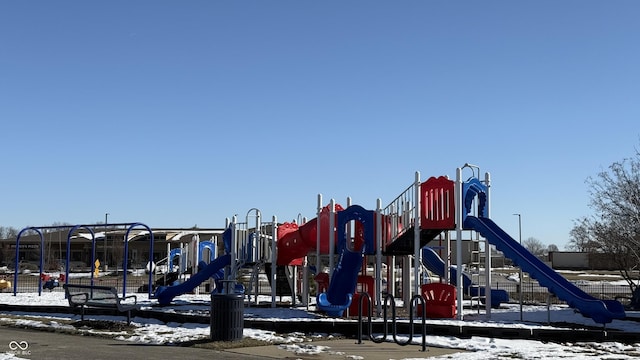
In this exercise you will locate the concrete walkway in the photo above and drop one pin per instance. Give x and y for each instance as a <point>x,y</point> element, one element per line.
<point>44,345</point>
<point>346,349</point>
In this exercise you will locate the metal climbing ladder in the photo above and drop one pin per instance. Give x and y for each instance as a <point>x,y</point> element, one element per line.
<point>473,290</point>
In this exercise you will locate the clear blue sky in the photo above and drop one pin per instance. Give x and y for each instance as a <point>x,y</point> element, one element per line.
<point>183,113</point>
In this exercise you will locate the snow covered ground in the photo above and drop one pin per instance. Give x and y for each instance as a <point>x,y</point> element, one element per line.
<point>157,332</point>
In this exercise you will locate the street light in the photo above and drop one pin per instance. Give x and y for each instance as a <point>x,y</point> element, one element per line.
<point>104,242</point>
<point>520,276</point>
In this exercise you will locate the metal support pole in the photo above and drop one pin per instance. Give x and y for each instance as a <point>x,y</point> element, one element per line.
<point>417,261</point>
<point>459,210</point>
<point>332,237</point>
<point>318,262</point>
<point>520,273</point>
<point>274,260</point>
<point>487,252</point>
<point>378,293</point>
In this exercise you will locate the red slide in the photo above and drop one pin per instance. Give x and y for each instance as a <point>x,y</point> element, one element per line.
<point>295,242</point>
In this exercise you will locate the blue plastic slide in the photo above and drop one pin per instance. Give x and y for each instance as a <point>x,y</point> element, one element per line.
<point>434,263</point>
<point>601,311</point>
<point>342,285</point>
<point>165,294</point>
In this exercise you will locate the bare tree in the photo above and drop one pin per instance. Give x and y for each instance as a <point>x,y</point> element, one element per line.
<point>535,246</point>
<point>5,252</point>
<point>582,239</point>
<point>614,227</point>
<point>8,232</point>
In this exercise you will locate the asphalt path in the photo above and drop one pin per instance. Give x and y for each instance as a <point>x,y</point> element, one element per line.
<point>42,345</point>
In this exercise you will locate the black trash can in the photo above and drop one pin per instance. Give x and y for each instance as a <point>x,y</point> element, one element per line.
<point>227,317</point>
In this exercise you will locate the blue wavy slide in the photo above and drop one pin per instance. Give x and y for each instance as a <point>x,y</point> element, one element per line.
<point>434,263</point>
<point>342,285</point>
<point>601,311</point>
<point>165,294</point>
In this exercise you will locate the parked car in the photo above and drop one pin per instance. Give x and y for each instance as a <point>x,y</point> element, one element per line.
<point>24,266</point>
<point>76,266</point>
<point>60,264</point>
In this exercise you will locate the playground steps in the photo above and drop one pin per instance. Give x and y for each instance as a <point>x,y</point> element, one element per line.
<point>247,277</point>
<point>283,287</point>
<point>403,245</point>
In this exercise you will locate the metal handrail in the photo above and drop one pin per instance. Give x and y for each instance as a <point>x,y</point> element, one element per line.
<point>399,211</point>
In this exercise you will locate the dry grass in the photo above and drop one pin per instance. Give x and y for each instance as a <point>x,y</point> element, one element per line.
<point>591,275</point>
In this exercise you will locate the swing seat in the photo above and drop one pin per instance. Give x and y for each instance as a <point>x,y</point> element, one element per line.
<point>440,300</point>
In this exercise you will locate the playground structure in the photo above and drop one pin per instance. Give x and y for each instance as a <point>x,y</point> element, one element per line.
<point>352,252</point>
<point>361,253</point>
<point>191,259</point>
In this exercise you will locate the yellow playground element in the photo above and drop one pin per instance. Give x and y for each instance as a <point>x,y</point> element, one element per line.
<point>5,284</point>
<point>96,268</point>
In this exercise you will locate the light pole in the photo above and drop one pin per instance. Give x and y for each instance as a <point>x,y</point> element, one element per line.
<point>520,275</point>
<point>104,242</point>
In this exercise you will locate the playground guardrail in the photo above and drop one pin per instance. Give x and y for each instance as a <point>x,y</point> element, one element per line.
<point>399,214</point>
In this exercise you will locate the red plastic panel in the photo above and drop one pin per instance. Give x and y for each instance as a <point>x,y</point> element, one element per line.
<point>323,282</point>
<point>294,242</point>
<point>440,300</point>
<point>437,198</point>
<point>366,284</point>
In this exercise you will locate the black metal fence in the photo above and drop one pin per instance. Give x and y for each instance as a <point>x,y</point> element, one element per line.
<point>30,283</point>
<point>532,292</point>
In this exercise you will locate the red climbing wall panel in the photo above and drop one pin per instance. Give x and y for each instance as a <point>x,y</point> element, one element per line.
<point>438,203</point>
